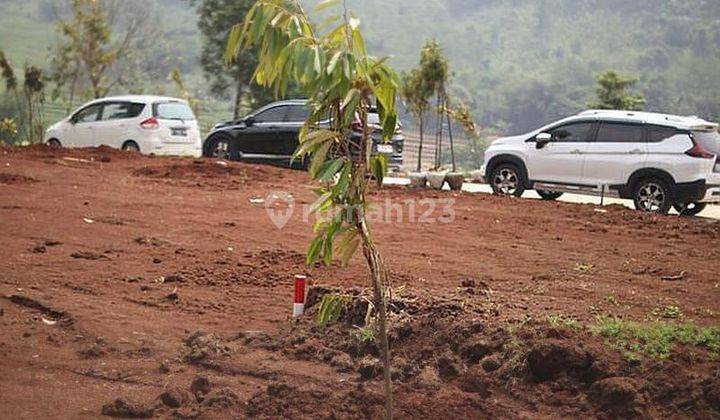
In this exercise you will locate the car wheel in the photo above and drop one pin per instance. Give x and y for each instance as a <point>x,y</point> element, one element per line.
<point>131,146</point>
<point>507,179</point>
<point>652,195</point>
<point>218,147</point>
<point>54,143</point>
<point>691,209</point>
<point>549,195</point>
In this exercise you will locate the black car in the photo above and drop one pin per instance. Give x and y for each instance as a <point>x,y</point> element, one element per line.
<point>271,134</point>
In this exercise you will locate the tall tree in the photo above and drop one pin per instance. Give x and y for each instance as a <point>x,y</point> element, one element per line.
<point>612,91</point>
<point>33,88</point>
<point>216,19</point>
<point>334,69</point>
<point>417,93</point>
<point>89,53</point>
<point>435,70</point>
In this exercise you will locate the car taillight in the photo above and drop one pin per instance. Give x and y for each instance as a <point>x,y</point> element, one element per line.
<point>150,124</point>
<point>697,151</point>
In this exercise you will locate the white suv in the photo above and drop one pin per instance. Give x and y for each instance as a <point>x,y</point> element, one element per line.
<point>657,160</point>
<point>148,124</point>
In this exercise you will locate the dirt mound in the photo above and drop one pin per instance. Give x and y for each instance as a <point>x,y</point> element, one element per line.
<point>15,179</point>
<point>265,268</point>
<point>441,344</point>
<point>102,154</point>
<point>210,173</point>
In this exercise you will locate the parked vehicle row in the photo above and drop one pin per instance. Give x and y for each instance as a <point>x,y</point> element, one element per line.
<point>167,126</point>
<point>659,161</point>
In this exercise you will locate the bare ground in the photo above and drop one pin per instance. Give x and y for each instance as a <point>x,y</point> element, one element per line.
<point>143,286</point>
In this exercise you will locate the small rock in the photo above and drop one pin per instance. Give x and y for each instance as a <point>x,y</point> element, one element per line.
<point>467,283</point>
<point>614,394</point>
<point>92,352</point>
<point>447,368</point>
<point>475,351</point>
<point>175,397</point>
<point>475,381</point>
<point>39,249</point>
<point>164,367</point>
<point>174,295</point>
<point>200,387</point>
<point>370,367</point>
<point>127,409</point>
<point>428,378</point>
<point>174,278</point>
<point>157,260</point>
<point>342,362</point>
<point>222,398</point>
<point>491,363</point>
<point>547,360</point>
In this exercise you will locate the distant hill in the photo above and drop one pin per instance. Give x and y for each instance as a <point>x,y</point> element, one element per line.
<point>519,63</point>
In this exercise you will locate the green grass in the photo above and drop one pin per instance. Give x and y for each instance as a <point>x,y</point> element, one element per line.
<point>667,312</point>
<point>656,339</point>
<point>563,321</point>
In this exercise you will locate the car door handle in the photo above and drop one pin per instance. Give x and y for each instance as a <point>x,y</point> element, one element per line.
<point>635,152</point>
<point>576,152</point>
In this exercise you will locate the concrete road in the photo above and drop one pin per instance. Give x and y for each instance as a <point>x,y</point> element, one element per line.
<point>711,212</point>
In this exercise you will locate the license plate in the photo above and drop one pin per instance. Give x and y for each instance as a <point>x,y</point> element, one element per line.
<point>385,148</point>
<point>180,132</point>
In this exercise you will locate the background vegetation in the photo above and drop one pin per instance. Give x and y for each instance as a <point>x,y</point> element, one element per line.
<point>516,63</point>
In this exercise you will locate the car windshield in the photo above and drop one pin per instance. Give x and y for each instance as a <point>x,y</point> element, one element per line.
<point>173,111</point>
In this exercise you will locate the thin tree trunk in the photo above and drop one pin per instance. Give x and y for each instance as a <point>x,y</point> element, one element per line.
<point>72,91</point>
<point>30,122</point>
<point>378,274</point>
<point>238,99</point>
<point>438,132</point>
<point>420,149</point>
<point>452,145</point>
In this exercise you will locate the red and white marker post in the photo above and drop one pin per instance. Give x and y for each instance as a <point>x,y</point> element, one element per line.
<point>299,305</point>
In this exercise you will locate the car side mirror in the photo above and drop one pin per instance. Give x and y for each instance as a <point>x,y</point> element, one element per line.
<point>542,139</point>
<point>250,121</point>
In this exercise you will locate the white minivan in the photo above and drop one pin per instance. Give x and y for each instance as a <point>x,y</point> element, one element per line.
<point>659,161</point>
<point>147,124</point>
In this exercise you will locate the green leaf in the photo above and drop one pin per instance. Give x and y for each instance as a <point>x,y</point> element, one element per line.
<point>334,62</point>
<point>348,246</point>
<point>359,43</point>
<point>379,168</point>
<point>330,169</point>
<point>318,159</point>
<point>313,140</point>
<point>324,4</point>
<point>314,250</point>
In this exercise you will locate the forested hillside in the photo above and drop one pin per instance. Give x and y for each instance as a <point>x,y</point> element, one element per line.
<point>516,62</point>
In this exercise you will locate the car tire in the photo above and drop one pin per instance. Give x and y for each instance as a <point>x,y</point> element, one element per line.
<point>652,195</point>
<point>507,179</point>
<point>218,147</point>
<point>130,146</point>
<point>54,143</point>
<point>549,195</point>
<point>691,209</point>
